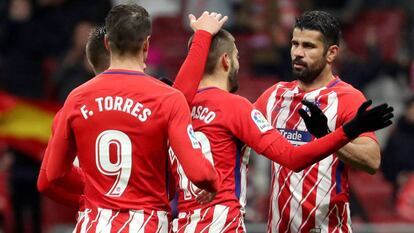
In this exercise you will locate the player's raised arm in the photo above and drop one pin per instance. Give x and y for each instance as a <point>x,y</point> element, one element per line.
<point>187,149</point>
<point>191,71</point>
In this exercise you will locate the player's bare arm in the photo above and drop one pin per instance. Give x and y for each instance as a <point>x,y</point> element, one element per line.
<point>362,153</point>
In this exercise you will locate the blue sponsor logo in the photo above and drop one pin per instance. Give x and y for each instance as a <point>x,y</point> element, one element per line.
<point>296,135</point>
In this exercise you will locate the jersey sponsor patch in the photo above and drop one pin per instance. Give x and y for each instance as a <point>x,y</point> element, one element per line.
<point>297,137</point>
<point>193,138</point>
<point>260,121</point>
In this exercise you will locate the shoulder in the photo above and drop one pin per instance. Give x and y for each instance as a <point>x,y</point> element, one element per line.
<point>347,91</point>
<point>233,100</point>
<point>279,87</point>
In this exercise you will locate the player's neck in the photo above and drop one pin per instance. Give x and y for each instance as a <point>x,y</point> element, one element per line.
<point>213,81</point>
<point>324,78</point>
<point>127,63</point>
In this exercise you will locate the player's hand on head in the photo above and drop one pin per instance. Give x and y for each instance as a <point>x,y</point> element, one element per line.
<point>204,197</point>
<point>316,122</point>
<point>210,22</point>
<point>367,120</point>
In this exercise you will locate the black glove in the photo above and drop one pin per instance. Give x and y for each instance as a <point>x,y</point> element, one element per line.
<point>166,81</point>
<point>369,120</point>
<point>316,123</point>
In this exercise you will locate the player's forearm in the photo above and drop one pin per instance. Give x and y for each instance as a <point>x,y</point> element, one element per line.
<point>200,171</point>
<point>55,192</point>
<point>297,158</point>
<point>363,153</point>
<point>191,71</point>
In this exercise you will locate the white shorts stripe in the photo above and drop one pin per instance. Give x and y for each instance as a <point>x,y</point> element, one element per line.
<point>162,222</point>
<point>104,221</point>
<point>193,222</point>
<point>86,221</point>
<point>137,221</point>
<point>219,218</point>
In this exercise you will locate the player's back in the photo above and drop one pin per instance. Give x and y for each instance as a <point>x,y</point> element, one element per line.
<point>212,110</point>
<point>120,122</point>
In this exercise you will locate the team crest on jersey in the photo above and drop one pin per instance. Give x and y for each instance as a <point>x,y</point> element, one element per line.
<point>260,121</point>
<point>193,138</point>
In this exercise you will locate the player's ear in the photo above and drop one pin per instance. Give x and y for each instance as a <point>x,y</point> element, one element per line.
<point>225,61</point>
<point>332,53</point>
<point>145,46</point>
<point>106,43</point>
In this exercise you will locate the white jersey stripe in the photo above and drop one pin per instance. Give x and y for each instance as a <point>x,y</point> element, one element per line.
<point>272,100</point>
<point>275,204</point>
<point>318,203</point>
<point>104,223</point>
<point>293,191</point>
<point>285,109</point>
<point>271,104</point>
<point>219,218</point>
<point>323,197</point>
<point>243,179</point>
<point>137,220</point>
<point>195,217</point>
<point>296,179</point>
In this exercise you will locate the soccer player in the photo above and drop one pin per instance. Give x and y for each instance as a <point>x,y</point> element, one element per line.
<point>98,57</point>
<point>224,122</point>
<point>315,199</point>
<point>118,123</point>
<point>70,193</point>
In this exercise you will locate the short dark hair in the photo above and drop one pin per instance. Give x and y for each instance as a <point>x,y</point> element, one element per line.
<point>222,42</point>
<point>127,27</point>
<point>97,54</point>
<point>323,22</point>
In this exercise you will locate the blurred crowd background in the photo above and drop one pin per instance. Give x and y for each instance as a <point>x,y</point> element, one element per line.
<point>42,58</point>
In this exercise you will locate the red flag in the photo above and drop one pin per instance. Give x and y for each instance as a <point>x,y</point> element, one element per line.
<point>25,125</point>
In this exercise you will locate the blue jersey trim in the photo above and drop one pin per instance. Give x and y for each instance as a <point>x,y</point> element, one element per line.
<point>125,73</point>
<point>206,88</point>
<point>339,172</point>
<point>334,83</point>
<point>237,172</point>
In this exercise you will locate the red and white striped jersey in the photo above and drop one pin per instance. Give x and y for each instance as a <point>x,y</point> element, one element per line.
<point>315,199</point>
